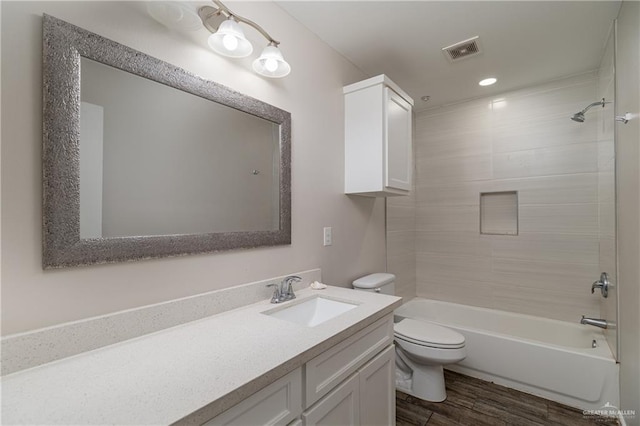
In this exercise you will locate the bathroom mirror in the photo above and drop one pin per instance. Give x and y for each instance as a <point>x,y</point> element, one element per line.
<point>142,159</point>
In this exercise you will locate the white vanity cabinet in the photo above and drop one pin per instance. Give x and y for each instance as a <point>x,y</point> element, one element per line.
<point>353,383</point>
<point>366,398</point>
<point>277,404</point>
<point>378,389</point>
<point>339,407</point>
<point>378,138</point>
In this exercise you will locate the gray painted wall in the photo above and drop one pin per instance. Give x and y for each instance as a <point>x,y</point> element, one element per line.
<point>33,298</point>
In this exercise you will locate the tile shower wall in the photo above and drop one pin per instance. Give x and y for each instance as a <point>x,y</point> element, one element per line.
<point>520,141</point>
<point>401,243</point>
<point>401,237</point>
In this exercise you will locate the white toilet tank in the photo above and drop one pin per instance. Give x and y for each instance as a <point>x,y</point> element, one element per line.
<point>380,283</point>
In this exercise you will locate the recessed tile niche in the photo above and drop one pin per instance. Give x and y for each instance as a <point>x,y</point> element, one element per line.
<point>499,213</point>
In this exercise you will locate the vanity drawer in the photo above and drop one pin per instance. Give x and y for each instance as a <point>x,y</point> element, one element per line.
<point>327,370</point>
<point>277,404</point>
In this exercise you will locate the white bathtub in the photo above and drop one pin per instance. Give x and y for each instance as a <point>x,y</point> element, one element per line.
<point>549,358</point>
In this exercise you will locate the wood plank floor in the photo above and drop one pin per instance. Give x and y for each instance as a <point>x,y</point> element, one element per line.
<point>474,402</point>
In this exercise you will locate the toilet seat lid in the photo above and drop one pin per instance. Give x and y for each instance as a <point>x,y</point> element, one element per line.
<point>428,334</point>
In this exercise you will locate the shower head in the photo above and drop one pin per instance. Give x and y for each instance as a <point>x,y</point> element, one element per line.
<point>579,116</point>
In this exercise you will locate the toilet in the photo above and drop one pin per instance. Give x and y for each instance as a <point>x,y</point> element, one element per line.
<point>421,347</point>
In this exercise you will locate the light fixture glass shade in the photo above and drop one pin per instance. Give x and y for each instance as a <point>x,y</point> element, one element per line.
<point>230,41</point>
<point>271,63</point>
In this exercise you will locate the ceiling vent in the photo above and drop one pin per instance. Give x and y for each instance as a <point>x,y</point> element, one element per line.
<point>463,49</point>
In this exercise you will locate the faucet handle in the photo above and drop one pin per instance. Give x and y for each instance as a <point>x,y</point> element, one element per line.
<point>292,278</point>
<point>603,284</point>
<point>276,293</point>
<point>287,286</point>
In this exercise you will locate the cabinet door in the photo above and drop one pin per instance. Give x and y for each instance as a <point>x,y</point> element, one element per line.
<point>398,142</point>
<point>377,390</point>
<point>277,404</point>
<point>339,407</point>
<point>328,369</point>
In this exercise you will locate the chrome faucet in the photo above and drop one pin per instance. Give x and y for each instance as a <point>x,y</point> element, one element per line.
<point>284,291</point>
<point>602,323</point>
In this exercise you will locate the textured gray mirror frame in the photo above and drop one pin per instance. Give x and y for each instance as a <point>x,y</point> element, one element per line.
<point>63,46</point>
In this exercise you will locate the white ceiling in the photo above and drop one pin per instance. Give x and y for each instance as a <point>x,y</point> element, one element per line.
<point>523,42</point>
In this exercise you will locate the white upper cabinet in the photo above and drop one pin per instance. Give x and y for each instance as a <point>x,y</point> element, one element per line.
<point>378,138</point>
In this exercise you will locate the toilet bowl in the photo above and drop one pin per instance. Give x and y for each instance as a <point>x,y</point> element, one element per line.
<point>425,348</point>
<point>421,346</point>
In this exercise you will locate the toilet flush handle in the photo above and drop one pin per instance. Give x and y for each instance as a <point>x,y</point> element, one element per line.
<point>377,290</point>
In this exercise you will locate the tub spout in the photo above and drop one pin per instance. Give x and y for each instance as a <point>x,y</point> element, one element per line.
<point>602,323</point>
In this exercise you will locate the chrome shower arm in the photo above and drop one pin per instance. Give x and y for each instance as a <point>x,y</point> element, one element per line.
<point>579,116</point>
<point>602,102</point>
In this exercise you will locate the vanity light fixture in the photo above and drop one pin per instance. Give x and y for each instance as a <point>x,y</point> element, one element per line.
<point>228,39</point>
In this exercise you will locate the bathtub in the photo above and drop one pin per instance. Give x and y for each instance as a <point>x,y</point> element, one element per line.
<point>549,358</point>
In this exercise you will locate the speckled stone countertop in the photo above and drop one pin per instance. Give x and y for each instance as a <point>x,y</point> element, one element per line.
<point>186,374</point>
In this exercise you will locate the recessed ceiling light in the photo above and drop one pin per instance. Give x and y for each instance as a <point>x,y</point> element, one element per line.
<point>487,81</point>
<point>425,98</point>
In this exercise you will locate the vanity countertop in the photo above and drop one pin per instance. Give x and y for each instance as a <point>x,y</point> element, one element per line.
<point>188,373</point>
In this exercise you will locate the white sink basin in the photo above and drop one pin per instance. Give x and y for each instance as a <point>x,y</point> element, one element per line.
<point>311,312</point>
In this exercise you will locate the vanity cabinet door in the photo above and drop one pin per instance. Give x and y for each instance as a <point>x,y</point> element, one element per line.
<point>328,369</point>
<point>377,390</point>
<point>339,407</point>
<point>277,404</point>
